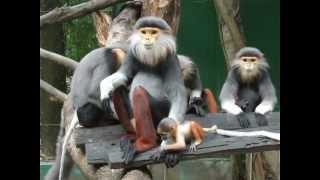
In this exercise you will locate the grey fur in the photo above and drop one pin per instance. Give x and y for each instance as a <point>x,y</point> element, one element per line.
<point>260,87</point>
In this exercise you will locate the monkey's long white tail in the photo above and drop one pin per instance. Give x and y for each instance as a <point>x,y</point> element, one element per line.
<point>214,129</point>
<point>73,124</point>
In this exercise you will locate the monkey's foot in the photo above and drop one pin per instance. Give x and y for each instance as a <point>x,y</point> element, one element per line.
<point>172,159</point>
<point>243,120</point>
<point>125,142</point>
<point>106,105</point>
<point>261,119</point>
<point>192,148</point>
<point>129,153</point>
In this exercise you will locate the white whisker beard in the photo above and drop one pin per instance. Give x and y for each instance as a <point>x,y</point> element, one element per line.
<point>164,46</point>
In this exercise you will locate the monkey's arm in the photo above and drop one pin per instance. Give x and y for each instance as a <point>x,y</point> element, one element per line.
<point>228,93</point>
<point>268,94</point>
<point>176,91</point>
<point>179,144</point>
<point>119,78</point>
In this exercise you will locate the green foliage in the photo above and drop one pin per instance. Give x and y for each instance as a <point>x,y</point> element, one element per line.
<point>80,34</point>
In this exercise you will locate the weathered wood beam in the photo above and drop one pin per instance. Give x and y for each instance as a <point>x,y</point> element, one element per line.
<point>70,63</point>
<point>53,91</point>
<point>213,145</point>
<point>102,143</point>
<point>63,14</point>
<point>222,120</point>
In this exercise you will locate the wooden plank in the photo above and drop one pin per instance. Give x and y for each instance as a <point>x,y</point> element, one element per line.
<point>212,146</point>
<point>222,120</point>
<point>109,151</point>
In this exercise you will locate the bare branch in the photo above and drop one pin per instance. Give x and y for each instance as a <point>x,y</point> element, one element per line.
<point>58,58</point>
<point>63,14</point>
<point>53,91</point>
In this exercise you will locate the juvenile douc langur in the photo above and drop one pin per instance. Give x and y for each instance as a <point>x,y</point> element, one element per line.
<point>175,136</point>
<point>157,89</point>
<point>248,87</point>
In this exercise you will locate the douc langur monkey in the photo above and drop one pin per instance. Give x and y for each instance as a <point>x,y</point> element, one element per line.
<point>157,89</point>
<point>85,92</point>
<point>175,136</point>
<point>248,87</point>
<point>198,97</point>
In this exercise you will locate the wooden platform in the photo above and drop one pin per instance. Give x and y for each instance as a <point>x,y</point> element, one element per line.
<point>102,143</point>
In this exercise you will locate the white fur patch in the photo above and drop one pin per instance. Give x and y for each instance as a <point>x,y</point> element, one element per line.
<point>231,107</point>
<point>158,52</point>
<point>195,93</point>
<point>264,107</point>
<point>110,83</point>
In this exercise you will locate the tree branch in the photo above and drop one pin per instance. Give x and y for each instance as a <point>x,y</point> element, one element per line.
<point>230,27</point>
<point>70,63</point>
<point>67,13</point>
<point>53,91</point>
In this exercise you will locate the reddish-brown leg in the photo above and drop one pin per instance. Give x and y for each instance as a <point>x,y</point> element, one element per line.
<point>197,132</point>
<point>211,100</point>
<point>145,130</point>
<point>123,114</point>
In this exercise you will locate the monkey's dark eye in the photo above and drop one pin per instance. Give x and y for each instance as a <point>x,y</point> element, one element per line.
<point>253,60</point>
<point>143,32</point>
<point>153,32</point>
<point>245,59</point>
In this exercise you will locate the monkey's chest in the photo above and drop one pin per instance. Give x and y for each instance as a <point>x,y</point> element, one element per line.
<point>151,82</point>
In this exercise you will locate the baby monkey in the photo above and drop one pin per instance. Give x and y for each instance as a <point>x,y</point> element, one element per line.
<point>175,136</point>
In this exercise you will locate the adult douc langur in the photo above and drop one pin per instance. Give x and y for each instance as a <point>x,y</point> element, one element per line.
<point>157,89</point>
<point>248,87</point>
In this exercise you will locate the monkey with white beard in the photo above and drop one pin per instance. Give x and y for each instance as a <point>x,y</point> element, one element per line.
<point>248,87</point>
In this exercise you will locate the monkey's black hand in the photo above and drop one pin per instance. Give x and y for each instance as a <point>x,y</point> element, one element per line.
<point>261,119</point>
<point>106,105</point>
<point>192,148</point>
<point>129,153</point>
<point>196,101</point>
<point>159,154</point>
<point>195,106</point>
<point>243,120</point>
<point>243,104</point>
<point>125,143</point>
<point>172,159</point>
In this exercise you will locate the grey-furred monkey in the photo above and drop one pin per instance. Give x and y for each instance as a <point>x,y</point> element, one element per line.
<point>248,87</point>
<point>157,89</point>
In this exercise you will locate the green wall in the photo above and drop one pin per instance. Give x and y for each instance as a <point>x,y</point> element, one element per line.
<point>198,37</point>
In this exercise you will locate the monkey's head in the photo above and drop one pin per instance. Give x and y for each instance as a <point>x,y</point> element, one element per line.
<point>152,40</point>
<point>249,62</point>
<point>167,128</point>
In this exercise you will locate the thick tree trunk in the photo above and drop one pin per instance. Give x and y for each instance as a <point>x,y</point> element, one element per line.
<point>169,10</point>
<point>51,38</point>
<point>255,166</point>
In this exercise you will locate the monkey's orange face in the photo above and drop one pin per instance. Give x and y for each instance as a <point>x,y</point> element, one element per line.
<point>149,36</point>
<point>249,63</point>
